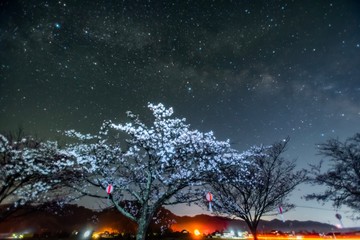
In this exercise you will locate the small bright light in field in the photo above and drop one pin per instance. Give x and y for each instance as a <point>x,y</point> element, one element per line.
<point>299,237</point>
<point>87,234</point>
<point>197,232</point>
<point>15,235</point>
<point>338,225</point>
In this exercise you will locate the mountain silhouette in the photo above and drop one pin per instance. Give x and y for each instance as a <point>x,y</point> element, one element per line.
<point>70,218</point>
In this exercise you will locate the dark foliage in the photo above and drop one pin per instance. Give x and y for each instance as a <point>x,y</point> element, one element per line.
<point>341,176</point>
<point>264,189</point>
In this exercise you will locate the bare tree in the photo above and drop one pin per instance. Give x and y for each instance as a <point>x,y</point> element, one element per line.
<point>261,189</point>
<point>341,175</point>
<point>164,163</point>
<point>32,171</point>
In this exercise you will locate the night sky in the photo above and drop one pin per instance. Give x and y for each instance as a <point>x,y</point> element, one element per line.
<point>252,71</point>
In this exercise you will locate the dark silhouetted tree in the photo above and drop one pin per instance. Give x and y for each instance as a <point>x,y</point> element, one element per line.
<point>262,189</point>
<point>341,174</point>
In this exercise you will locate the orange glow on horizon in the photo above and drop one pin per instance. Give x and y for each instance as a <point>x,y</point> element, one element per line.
<point>197,232</point>
<point>210,228</point>
<point>98,233</point>
<point>202,228</point>
<point>198,229</point>
<point>108,229</point>
<point>308,237</point>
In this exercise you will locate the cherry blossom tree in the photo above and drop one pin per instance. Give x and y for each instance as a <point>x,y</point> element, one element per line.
<point>261,189</point>
<point>31,172</point>
<point>163,163</point>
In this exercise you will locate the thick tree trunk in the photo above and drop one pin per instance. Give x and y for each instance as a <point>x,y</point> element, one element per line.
<point>141,232</point>
<point>254,232</point>
<point>143,224</point>
<point>253,228</point>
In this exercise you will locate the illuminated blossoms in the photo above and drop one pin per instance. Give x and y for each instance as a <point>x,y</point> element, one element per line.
<point>162,163</point>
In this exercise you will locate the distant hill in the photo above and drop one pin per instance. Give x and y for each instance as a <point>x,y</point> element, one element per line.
<point>66,219</point>
<point>72,217</point>
<point>210,224</point>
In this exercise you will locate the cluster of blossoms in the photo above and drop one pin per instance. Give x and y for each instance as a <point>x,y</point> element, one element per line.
<point>165,162</point>
<point>30,169</point>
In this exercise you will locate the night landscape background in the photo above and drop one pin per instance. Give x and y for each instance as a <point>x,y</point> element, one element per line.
<point>253,72</point>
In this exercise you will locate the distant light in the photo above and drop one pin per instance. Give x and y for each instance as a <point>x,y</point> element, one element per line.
<point>17,236</point>
<point>338,226</point>
<point>87,234</point>
<point>197,232</point>
<point>57,25</point>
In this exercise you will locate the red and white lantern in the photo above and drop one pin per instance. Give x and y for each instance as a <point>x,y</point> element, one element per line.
<point>109,189</point>
<point>209,198</point>
<point>280,210</point>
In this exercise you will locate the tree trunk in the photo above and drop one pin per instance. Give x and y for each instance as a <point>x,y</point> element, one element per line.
<point>254,232</point>
<point>143,224</point>
<point>141,232</point>
<point>142,229</point>
<point>252,227</point>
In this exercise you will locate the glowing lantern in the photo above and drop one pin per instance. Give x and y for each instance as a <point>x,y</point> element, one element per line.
<point>280,210</point>
<point>109,189</point>
<point>338,216</point>
<point>209,198</point>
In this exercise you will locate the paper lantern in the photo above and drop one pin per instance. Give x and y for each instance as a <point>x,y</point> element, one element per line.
<point>209,198</point>
<point>109,189</point>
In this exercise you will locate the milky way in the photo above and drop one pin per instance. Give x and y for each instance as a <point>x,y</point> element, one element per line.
<point>252,71</point>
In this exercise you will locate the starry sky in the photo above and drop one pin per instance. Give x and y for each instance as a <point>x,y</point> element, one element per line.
<point>253,72</point>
